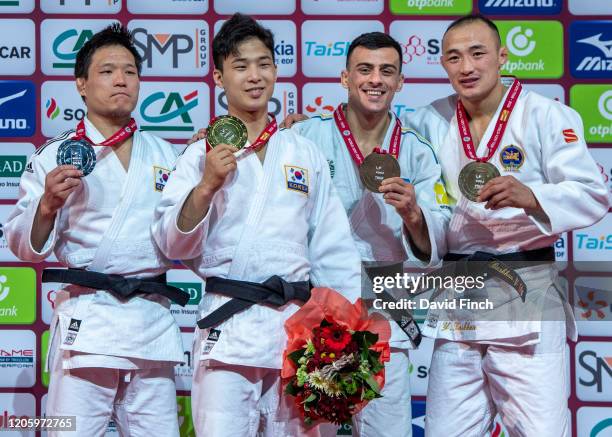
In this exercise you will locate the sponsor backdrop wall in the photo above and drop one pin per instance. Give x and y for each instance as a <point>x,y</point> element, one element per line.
<point>560,48</point>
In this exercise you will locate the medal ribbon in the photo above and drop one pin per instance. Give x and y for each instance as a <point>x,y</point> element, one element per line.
<point>498,131</point>
<point>351,143</point>
<point>262,139</point>
<point>121,135</point>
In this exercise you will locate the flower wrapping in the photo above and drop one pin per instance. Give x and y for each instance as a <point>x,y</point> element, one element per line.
<point>335,355</point>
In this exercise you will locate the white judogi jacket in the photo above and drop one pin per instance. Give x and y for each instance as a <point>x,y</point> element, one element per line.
<point>558,169</point>
<point>266,220</point>
<point>377,228</point>
<point>104,226</point>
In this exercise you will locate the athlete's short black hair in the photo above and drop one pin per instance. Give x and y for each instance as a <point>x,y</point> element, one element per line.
<point>472,18</point>
<point>234,32</point>
<point>113,35</point>
<point>373,41</point>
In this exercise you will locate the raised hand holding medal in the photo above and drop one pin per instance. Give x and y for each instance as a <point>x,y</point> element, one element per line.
<point>475,175</point>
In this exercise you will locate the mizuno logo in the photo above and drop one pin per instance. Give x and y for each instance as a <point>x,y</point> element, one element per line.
<point>3,100</point>
<point>604,46</point>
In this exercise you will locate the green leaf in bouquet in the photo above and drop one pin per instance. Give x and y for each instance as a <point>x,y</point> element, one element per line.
<point>296,355</point>
<point>310,398</point>
<point>373,384</point>
<point>365,338</point>
<point>292,390</point>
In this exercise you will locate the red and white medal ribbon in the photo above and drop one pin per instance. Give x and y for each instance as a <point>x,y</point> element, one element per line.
<point>121,135</point>
<point>351,143</point>
<point>498,131</point>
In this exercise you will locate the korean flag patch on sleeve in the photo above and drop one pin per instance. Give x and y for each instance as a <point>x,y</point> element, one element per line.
<point>297,178</point>
<point>161,176</point>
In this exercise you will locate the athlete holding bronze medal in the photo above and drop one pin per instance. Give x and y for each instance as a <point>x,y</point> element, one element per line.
<point>535,181</point>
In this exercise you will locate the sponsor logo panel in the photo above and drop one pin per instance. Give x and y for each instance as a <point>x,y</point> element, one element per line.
<point>228,7</point>
<point>520,7</point>
<point>591,49</point>
<point>431,7</point>
<point>594,421</point>
<point>167,6</point>
<point>421,43</point>
<point>535,48</point>
<point>594,103</point>
<point>183,373</point>
<point>172,47</point>
<point>61,107</point>
<point>17,108</point>
<point>594,371</point>
<point>593,305</point>
<point>172,109</point>
<point>17,358</point>
<point>590,7</point>
<point>189,282</point>
<point>17,295</point>
<point>16,6</point>
<point>325,44</point>
<point>13,160</point>
<point>594,244</point>
<point>60,41</point>
<point>321,97</point>
<point>16,406</point>
<point>342,7</point>
<point>415,95</point>
<point>17,47</point>
<point>80,6</point>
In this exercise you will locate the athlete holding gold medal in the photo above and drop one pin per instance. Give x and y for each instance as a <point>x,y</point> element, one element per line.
<point>518,172</point>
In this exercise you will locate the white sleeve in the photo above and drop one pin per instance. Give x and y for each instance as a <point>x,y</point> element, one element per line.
<point>335,261</point>
<point>20,222</point>
<point>575,195</point>
<point>174,243</point>
<point>431,198</point>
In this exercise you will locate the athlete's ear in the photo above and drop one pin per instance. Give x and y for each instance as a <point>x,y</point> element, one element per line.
<point>218,78</point>
<point>344,78</point>
<point>502,56</point>
<point>80,86</point>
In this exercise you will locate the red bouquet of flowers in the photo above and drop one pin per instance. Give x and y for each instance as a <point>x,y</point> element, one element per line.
<point>334,362</point>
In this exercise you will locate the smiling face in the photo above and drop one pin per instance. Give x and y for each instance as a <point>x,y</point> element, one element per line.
<point>372,79</point>
<point>112,84</point>
<point>248,78</point>
<point>472,58</point>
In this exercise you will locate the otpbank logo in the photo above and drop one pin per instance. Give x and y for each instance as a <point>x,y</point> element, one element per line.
<point>591,49</point>
<point>61,40</point>
<point>594,103</point>
<point>17,295</point>
<point>431,7</point>
<point>17,108</point>
<point>172,109</point>
<point>520,7</point>
<point>172,47</point>
<point>535,48</point>
<point>185,416</point>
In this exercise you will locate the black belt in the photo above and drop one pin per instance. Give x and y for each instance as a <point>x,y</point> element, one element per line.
<point>123,287</point>
<point>274,291</point>
<point>495,265</point>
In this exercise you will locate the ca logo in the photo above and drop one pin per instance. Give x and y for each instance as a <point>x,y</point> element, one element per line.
<point>4,291</point>
<point>605,105</point>
<point>519,43</point>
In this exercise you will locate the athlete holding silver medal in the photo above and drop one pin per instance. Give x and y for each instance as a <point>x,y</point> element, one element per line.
<point>518,174</point>
<point>89,196</point>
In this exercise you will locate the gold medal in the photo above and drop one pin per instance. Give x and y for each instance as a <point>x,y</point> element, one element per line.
<point>474,176</point>
<point>377,167</point>
<point>227,129</point>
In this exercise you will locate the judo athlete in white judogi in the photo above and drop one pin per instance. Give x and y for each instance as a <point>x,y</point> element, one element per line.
<point>408,212</point>
<point>238,219</point>
<point>548,184</point>
<point>111,355</point>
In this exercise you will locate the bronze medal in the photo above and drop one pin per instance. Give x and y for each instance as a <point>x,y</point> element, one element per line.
<point>227,129</point>
<point>377,167</point>
<point>474,176</point>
